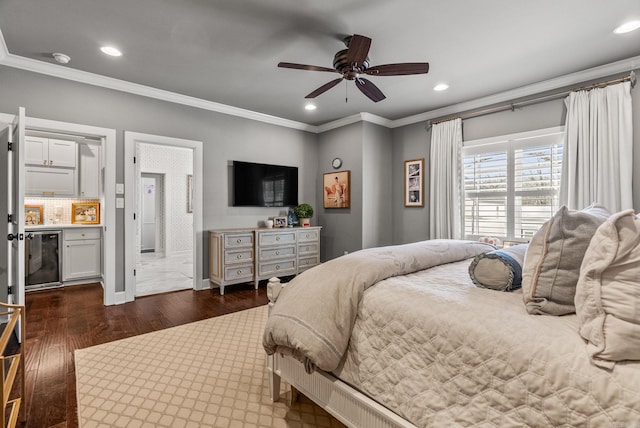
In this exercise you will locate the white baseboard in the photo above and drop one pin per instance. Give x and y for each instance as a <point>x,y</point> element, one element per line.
<point>120,298</point>
<point>206,284</point>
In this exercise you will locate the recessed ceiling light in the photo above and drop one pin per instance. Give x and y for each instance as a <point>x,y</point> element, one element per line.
<point>310,107</point>
<point>110,50</point>
<point>441,87</point>
<point>627,27</point>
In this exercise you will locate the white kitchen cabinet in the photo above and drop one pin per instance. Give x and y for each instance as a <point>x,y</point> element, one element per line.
<point>82,256</point>
<point>50,152</point>
<point>49,181</point>
<point>89,171</point>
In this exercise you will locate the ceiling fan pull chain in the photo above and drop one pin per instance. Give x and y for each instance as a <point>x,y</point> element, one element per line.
<point>346,94</point>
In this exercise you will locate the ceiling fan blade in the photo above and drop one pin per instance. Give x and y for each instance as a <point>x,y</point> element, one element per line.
<point>401,69</point>
<point>324,88</point>
<point>369,89</point>
<point>305,67</point>
<point>358,49</point>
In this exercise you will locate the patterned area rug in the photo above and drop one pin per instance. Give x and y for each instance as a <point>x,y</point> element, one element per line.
<point>208,373</point>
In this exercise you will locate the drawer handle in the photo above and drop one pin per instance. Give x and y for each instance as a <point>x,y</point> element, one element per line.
<point>307,262</point>
<point>239,256</point>
<point>277,267</point>
<point>239,240</point>
<point>44,162</point>
<point>307,235</point>
<point>239,271</point>
<point>277,238</point>
<point>277,253</point>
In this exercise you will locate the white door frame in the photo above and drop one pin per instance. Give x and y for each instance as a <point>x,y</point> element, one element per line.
<point>130,223</point>
<point>108,148</point>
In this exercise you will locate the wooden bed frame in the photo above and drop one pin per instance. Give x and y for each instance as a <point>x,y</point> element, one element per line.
<point>345,403</point>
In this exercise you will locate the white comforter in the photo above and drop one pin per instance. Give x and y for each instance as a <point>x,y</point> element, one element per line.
<point>440,352</point>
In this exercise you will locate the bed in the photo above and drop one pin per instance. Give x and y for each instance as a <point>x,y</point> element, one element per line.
<point>402,336</point>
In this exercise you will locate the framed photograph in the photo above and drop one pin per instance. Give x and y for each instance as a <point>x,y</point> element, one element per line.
<point>189,193</point>
<point>85,213</point>
<point>279,222</point>
<point>337,189</point>
<point>414,183</point>
<point>33,214</point>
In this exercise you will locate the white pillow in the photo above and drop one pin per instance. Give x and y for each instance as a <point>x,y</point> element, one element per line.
<point>608,294</point>
<point>552,263</point>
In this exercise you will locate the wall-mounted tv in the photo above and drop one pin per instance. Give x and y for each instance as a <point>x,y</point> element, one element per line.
<point>262,185</point>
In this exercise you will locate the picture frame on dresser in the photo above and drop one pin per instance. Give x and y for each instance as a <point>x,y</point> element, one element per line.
<point>85,213</point>
<point>33,214</point>
<point>280,222</point>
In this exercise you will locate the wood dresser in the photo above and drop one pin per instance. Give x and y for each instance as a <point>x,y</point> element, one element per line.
<point>250,255</point>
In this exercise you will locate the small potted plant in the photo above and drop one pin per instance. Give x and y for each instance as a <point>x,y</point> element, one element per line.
<point>304,212</point>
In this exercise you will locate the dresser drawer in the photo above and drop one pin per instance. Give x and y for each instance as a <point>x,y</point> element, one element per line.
<point>308,235</point>
<point>232,273</point>
<point>238,240</point>
<point>310,248</point>
<point>305,263</point>
<point>244,256</point>
<point>277,253</point>
<point>279,268</point>
<point>84,233</point>
<point>278,238</point>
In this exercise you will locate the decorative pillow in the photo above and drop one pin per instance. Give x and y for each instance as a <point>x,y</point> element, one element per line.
<point>500,269</point>
<point>552,263</point>
<point>608,294</point>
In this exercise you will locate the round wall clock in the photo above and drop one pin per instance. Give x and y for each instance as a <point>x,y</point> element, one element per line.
<point>336,163</point>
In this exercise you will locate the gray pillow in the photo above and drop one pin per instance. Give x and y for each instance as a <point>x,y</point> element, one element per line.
<point>553,259</point>
<point>500,269</point>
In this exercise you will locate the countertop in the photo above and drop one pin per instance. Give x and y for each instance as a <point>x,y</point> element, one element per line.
<point>60,226</point>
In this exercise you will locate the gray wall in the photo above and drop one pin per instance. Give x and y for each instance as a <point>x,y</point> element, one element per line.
<point>377,176</point>
<point>224,138</point>
<point>410,224</point>
<point>342,227</point>
<point>374,155</point>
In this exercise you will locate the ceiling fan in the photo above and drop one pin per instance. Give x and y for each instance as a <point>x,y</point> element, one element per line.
<point>353,62</point>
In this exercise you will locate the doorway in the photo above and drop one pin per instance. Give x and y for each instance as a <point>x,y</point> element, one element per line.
<point>162,204</point>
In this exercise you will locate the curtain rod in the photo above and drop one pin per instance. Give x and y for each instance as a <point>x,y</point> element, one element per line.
<point>512,106</point>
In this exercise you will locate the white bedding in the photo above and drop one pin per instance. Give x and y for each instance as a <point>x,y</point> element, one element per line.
<point>440,352</point>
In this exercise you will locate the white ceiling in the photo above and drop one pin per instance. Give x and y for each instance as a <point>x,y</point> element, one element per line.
<point>226,51</point>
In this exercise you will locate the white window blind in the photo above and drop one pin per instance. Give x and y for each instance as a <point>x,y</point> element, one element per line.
<point>511,184</point>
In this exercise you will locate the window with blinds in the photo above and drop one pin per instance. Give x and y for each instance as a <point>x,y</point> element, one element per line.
<point>511,184</point>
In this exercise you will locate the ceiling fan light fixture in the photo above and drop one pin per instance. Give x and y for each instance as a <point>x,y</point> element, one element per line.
<point>441,87</point>
<point>111,51</point>
<point>310,107</point>
<point>627,27</point>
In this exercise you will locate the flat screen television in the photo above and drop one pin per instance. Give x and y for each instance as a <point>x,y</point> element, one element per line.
<point>262,185</point>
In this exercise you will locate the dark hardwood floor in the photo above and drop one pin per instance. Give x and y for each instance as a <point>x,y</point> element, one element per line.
<point>63,320</point>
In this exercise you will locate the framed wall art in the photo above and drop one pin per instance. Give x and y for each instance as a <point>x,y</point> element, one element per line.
<point>85,213</point>
<point>33,214</point>
<point>337,189</point>
<point>414,183</point>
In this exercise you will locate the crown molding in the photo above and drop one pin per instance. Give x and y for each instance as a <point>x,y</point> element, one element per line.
<point>67,73</point>
<point>61,72</point>
<point>565,81</point>
<point>4,51</point>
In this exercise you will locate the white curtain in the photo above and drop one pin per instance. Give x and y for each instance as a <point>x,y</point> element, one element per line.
<point>598,149</point>
<point>444,182</point>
